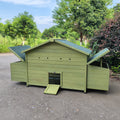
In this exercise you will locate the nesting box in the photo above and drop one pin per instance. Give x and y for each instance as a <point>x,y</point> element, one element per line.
<point>60,64</point>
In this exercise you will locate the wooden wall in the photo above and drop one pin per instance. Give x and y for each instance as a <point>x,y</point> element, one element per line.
<point>19,71</point>
<point>98,78</point>
<point>53,57</point>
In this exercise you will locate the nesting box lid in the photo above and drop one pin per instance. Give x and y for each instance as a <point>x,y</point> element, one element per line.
<point>17,51</point>
<point>98,56</point>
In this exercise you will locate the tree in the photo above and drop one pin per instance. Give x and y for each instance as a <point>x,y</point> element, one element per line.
<point>83,16</point>
<point>109,37</point>
<point>9,29</point>
<point>1,28</point>
<point>72,35</point>
<point>25,26</point>
<point>117,8</point>
<point>50,33</point>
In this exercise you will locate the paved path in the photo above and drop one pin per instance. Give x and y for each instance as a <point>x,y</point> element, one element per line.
<point>18,102</point>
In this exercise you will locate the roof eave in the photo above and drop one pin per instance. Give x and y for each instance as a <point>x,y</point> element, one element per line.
<point>98,57</point>
<point>16,54</point>
<point>72,47</point>
<point>35,47</point>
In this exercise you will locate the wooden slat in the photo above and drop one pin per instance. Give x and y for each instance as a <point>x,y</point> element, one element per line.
<point>19,71</point>
<point>98,78</point>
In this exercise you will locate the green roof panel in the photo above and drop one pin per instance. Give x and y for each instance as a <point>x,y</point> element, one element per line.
<point>74,46</point>
<point>17,51</point>
<point>98,55</point>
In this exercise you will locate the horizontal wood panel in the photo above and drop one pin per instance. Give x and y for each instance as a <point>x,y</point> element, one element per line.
<point>76,63</point>
<point>54,69</point>
<point>47,66</point>
<point>98,78</point>
<point>19,71</point>
<point>39,80</point>
<point>53,47</point>
<point>54,54</point>
<point>37,84</point>
<point>67,87</point>
<point>37,59</point>
<point>73,86</point>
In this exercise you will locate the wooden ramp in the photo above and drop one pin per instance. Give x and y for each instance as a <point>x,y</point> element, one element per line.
<point>52,89</point>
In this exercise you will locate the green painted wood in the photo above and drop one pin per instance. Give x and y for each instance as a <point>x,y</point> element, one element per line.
<point>98,78</point>
<point>17,51</point>
<point>45,59</point>
<point>66,44</point>
<point>52,89</point>
<point>74,46</point>
<point>19,71</point>
<point>98,56</point>
<point>70,63</point>
<point>30,49</point>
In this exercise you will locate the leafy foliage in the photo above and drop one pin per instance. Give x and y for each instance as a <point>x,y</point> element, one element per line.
<point>109,37</point>
<point>9,29</point>
<point>56,32</point>
<point>2,28</point>
<point>116,69</point>
<point>83,16</point>
<point>50,33</point>
<point>117,8</point>
<point>24,25</point>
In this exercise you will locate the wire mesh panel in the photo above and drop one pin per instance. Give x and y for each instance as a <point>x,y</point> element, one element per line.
<point>54,78</point>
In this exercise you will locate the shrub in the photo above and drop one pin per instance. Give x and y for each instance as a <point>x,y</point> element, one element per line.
<point>109,37</point>
<point>115,69</point>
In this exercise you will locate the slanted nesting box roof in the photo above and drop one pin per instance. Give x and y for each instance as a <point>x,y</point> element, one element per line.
<point>98,55</point>
<point>17,50</point>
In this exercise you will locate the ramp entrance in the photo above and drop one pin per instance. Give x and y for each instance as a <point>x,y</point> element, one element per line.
<point>54,83</point>
<point>52,89</point>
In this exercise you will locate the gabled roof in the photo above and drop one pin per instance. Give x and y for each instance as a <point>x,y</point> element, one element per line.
<point>17,51</point>
<point>67,44</point>
<point>98,56</point>
<point>74,46</point>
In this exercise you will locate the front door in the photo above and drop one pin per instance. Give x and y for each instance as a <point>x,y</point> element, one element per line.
<point>54,78</point>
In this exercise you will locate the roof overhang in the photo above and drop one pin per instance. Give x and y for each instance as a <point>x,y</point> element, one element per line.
<point>17,51</point>
<point>98,56</point>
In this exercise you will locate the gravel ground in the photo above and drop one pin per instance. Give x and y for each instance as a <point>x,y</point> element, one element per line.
<point>18,102</point>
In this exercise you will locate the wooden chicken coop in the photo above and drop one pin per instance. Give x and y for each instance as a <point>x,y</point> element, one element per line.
<point>60,64</point>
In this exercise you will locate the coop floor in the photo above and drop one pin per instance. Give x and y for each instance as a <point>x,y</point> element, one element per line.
<point>18,102</point>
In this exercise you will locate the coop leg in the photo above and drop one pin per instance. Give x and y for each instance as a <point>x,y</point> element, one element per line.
<point>85,91</point>
<point>27,84</point>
